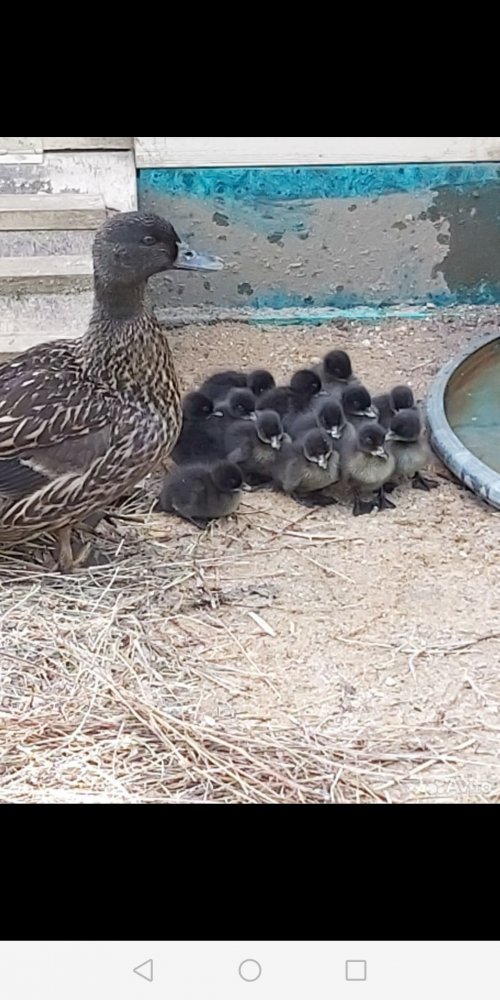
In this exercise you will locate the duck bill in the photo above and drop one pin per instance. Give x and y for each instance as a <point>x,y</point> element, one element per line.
<point>336,433</point>
<point>190,260</point>
<point>217,413</point>
<point>380,453</point>
<point>391,436</point>
<point>323,462</point>
<point>276,443</point>
<point>370,414</point>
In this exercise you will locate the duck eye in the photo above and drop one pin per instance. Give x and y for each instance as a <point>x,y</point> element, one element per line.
<point>148,241</point>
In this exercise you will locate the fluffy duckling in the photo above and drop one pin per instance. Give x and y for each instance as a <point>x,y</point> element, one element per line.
<point>239,406</point>
<point>200,494</point>
<point>308,468</point>
<point>306,388</point>
<point>195,441</point>
<point>328,416</point>
<point>295,398</point>
<point>390,403</point>
<point>336,374</point>
<point>260,381</point>
<point>256,446</point>
<point>219,385</point>
<point>409,447</point>
<point>278,400</point>
<point>367,465</point>
<point>357,405</point>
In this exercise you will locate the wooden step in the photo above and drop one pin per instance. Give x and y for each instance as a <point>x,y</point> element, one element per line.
<point>29,319</point>
<point>86,142</point>
<point>111,176</point>
<point>20,144</point>
<point>45,274</point>
<point>21,212</point>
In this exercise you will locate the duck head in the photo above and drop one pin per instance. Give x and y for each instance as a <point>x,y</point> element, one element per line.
<point>131,247</point>
<point>270,429</point>
<point>372,441</point>
<point>318,448</point>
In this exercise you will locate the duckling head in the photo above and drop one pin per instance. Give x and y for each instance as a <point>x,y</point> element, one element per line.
<point>357,402</point>
<point>261,381</point>
<point>227,478</point>
<point>270,429</point>
<point>318,448</point>
<point>338,366</point>
<point>241,404</point>
<point>331,419</point>
<point>306,384</point>
<point>406,427</point>
<point>402,398</point>
<point>372,441</point>
<point>197,406</point>
<point>131,247</point>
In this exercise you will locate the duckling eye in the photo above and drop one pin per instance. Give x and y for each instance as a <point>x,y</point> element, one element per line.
<point>148,241</point>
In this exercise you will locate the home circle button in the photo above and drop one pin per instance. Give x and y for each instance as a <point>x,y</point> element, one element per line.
<point>250,971</point>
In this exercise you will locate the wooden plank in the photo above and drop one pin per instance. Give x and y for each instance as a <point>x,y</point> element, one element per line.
<point>226,151</point>
<point>86,142</point>
<point>112,176</point>
<point>24,212</point>
<point>20,144</point>
<point>45,274</point>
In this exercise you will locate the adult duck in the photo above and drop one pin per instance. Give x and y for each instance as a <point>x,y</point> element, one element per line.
<point>81,421</point>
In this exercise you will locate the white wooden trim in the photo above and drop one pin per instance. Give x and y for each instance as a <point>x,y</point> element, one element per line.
<point>24,144</point>
<point>86,142</point>
<point>226,151</point>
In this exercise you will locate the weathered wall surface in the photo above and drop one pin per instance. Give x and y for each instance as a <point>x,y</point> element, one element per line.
<point>335,236</point>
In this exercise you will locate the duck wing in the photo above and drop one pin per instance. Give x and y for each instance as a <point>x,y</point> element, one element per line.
<point>40,408</point>
<point>33,469</point>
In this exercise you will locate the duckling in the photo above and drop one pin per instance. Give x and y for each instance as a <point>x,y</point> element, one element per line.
<point>219,385</point>
<point>410,449</point>
<point>328,416</point>
<point>336,374</point>
<point>255,447</point>
<point>308,468</point>
<point>83,421</point>
<point>238,407</point>
<point>195,441</point>
<point>261,381</point>
<point>306,389</point>
<point>358,406</point>
<point>367,465</point>
<point>278,400</point>
<point>390,403</point>
<point>200,494</point>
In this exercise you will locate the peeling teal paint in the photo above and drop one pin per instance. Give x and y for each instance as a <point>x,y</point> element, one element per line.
<point>334,237</point>
<point>311,183</point>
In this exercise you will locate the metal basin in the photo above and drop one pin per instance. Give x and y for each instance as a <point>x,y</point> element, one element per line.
<point>464,418</point>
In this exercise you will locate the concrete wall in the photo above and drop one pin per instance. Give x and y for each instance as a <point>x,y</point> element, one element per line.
<point>334,236</point>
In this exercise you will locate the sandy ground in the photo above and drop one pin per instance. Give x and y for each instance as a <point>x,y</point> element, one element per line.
<point>358,659</point>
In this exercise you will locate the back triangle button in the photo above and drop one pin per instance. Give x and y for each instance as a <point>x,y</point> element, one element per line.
<point>145,971</point>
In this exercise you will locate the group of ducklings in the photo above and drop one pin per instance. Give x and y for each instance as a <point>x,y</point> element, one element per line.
<point>319,438</point>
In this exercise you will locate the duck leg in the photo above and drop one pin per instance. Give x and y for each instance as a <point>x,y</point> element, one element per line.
<point>67,562</point>
<point>363,506</point>
<point>426,485</point>
<point>383,502</point>
<point>314,500</point>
